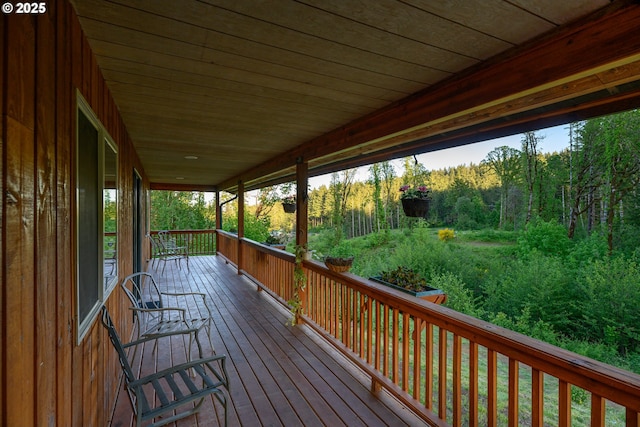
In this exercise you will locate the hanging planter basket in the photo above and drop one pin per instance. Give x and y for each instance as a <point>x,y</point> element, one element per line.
<point>289,207</point>
<point>418,208</point>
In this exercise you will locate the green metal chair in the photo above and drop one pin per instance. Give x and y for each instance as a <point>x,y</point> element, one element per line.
<point>170,389</point>
<point>153,317</point>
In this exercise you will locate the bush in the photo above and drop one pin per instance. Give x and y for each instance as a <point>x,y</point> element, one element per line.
<point>610,307</point>
<point>446,234</point>
<point>548,238</point>
<point>459,297</point>
<point>254,229</point>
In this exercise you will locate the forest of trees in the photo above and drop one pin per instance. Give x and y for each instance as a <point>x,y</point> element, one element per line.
<point>590,186</point>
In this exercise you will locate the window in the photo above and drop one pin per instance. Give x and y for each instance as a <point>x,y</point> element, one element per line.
<point>96,216</point>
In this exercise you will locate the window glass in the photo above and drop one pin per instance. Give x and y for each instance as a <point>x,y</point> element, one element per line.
<point>110,216</point>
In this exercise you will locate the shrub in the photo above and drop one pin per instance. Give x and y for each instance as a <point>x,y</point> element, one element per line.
<point>446,234</point>
<point>549,238</point>
<point>459,297</point>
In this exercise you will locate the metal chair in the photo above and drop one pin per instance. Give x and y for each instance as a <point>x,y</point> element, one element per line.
<point>166,249</point>
<point>154,318</point>
<point>169,389</point>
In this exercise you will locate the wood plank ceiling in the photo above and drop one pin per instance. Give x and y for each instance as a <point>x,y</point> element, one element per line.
<point>249,87</point>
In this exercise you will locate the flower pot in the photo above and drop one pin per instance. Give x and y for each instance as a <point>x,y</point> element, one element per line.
<point>289,207</point>
<point>436,296</point>
<point>416,207</point>
<point>338,264</point>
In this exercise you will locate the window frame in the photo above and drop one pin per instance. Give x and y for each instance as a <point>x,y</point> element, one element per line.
<point>84,322</point>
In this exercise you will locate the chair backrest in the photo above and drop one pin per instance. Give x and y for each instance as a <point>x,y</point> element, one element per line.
<point>164,237</point>
<point>155,244</point>
<point>117,344</point>
<point>142,290</point>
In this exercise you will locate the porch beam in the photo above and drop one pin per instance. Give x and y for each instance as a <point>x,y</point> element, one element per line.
<point>602,42</point>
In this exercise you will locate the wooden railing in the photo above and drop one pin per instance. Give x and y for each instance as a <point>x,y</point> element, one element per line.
<point>199,242</point>
<point>227,246</point>
<point>450,368</point>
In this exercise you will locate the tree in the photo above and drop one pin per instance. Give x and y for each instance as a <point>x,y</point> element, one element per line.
<point>504,161</point>
<point>530,143</point>
<point>621,161</point>
<point>585,176</point>
<point>266,199</point>
<point>179,210</point>
<point>340,188</point>
<point>380,211</point>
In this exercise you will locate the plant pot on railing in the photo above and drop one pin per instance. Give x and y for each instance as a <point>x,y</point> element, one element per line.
<point>338,264</point>
<point>406,280</point>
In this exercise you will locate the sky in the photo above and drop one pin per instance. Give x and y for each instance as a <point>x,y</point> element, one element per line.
<point>555,139</point>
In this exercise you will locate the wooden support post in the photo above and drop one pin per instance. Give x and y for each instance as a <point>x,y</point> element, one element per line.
<point>302,201</point>
<point>218,218</point>
<point>302,204</point>
<point>240,223</point>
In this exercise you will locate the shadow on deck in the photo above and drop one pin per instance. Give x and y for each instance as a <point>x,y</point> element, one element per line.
<point>280,375</point>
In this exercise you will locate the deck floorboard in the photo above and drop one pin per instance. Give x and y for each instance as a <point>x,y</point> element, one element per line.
<point>280,375</point>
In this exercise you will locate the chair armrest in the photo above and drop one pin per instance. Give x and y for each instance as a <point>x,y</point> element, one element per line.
<point>151,310</point>
<point>183,367</point>
<point>155,337</point>
<point>177,294</point>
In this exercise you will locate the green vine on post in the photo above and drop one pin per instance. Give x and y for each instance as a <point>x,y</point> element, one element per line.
<point>299,283</point>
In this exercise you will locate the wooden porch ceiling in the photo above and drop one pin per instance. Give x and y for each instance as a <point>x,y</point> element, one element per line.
<point>250,87</point>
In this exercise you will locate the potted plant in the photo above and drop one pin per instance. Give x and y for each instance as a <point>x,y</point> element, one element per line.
<point>289,204</point>
<point>338,264</point>
<point>415,201</point>
<point>407,280</point>
<point>340,258</point>
<point>274,242</point>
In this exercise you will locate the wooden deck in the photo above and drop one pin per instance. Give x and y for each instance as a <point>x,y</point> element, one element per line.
<point>280,375</point>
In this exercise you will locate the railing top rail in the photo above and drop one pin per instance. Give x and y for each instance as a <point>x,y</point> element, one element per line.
<point>188,231</point>
<point>278,253</point>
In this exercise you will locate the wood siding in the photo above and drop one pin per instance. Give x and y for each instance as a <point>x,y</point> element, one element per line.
<point>45,378</point>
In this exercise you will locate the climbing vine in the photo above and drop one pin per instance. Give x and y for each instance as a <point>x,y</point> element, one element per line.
<point>299,283</point>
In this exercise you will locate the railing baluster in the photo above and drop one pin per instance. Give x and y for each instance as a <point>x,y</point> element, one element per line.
<point>369,336</point>
<point>394,351</point>
<point>428,386</point>
<point>514,377</point>
<point>442,373</point>
<point>537,398</point>
<point>564,404</point>
<point>473,384</point>
<point>385,342</point>
<point>417,357</point>
<point>492,388</point>
<point>457,380</point>
<point>598,408</point>
<point>405,351</point>
<point>633,418</point>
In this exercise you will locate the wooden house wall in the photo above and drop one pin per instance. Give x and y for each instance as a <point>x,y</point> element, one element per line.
<point>47,379</point>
